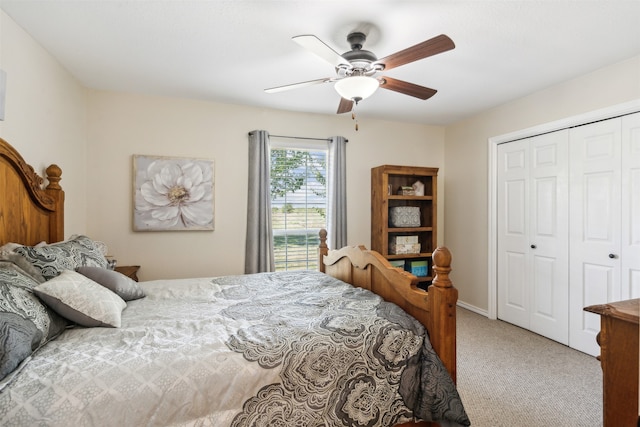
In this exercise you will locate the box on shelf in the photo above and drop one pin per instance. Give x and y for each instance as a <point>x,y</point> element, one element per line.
<point>404,240</point>
<point>419,268</point>
<point>404,216</point>
<point>409,248</point>
<point>407,191</point>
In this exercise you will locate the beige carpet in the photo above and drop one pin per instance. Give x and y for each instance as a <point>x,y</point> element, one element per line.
<point>511,377</point>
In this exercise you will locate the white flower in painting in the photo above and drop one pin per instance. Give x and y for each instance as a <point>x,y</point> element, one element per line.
<point>176,194</point>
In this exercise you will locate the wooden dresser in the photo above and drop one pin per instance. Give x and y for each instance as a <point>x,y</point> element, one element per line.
<point>618,340</point>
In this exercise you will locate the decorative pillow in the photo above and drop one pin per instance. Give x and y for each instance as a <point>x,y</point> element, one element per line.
<point>16,262</point>
<point>102,247</point>
<point>8,248</point>
<point>19,337</point>
<point>125,287</point>
<point>81,300</point>
<point>68,255</point>
<point>25,323</point>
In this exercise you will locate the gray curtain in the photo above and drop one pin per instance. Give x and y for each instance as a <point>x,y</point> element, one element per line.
<point>259,256</point>
<point>337,193</point>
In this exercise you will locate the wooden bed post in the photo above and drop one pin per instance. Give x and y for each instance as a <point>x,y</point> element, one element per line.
<point>56,219</point>
<point>442,305</point>
<point>323,250</point>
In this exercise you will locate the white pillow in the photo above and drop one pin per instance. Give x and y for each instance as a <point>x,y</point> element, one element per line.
<point>81,300</point>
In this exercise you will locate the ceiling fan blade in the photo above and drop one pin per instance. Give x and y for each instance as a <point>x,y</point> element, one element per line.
<point>321,49</point>
<point>299,85</point>
<point>407,88</point>
<point>345,106</point>
<point>422,50</point>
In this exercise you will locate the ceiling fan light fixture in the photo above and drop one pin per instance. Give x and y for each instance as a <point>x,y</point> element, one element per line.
<point>356,88</point>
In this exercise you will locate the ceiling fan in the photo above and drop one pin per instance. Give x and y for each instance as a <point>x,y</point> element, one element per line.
<point>356,69</point>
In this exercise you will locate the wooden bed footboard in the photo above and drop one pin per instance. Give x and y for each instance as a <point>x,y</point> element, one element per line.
<point>435,309</point>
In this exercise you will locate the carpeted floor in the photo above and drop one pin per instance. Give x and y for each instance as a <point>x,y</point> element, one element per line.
<point>510,377</point>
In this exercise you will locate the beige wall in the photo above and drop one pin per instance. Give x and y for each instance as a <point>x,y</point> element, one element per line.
<point>121,125</point>
<point>466,154</point>
<point>45,116</point>
<point>92,136</point>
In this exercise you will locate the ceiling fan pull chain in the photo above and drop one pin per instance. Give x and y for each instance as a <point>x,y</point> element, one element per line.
<point>353,115</point>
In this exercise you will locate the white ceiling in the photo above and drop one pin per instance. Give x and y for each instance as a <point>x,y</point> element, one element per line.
<point>230,51</point>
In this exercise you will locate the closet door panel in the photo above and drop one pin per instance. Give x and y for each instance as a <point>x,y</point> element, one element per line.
<point>515,296</point>
<point>599,193</point>
<point>595,227</point>
<point>544,304</point>
<point>630,250</point>
<point>533,234</point>
<point>548,236</point>
<point>599,286</point>
<point>513,237</point>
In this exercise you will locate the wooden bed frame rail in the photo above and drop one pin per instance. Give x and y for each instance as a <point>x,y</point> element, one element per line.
<point>435,309</point>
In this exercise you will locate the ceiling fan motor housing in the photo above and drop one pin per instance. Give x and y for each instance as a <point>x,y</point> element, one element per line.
<point>361,62</point>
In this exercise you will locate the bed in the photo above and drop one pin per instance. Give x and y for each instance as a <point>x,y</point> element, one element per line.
<point>83,345</point>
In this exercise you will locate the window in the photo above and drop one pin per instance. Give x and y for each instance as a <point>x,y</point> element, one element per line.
<point>298,203</point>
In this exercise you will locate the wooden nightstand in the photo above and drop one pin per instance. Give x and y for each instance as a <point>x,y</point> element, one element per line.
<point>129,271</point>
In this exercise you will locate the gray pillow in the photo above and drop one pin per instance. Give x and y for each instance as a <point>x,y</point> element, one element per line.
<point>125,287</point>
<point>81,300</point>
<point>68,255</point>
<point>25,323</point>
<point>16,261</point>
<point>19,338</point>
<point>7,248</point>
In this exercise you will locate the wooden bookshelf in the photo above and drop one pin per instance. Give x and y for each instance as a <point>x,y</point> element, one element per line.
<point>386,184</point>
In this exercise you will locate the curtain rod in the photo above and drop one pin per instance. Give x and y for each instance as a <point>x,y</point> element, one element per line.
<point>302,137</point>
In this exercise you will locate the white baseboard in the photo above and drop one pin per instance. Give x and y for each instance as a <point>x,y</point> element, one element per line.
<point>473,308</point>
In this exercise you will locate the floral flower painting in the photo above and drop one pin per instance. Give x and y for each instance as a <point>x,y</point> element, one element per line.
<point>172,193</point>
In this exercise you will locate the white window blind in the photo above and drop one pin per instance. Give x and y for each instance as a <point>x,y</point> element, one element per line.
<point>298,203</point>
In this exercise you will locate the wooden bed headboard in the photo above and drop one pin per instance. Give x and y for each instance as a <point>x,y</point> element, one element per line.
<point>29,213</point>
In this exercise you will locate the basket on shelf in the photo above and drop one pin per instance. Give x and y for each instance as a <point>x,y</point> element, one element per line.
<point>404,216</point>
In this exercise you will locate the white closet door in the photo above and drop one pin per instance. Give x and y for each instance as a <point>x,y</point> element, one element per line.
<point>595,211</point>
<point>630,250</point>
<point>549,236</point>
<point>533,234</point>
<point>513,233</point>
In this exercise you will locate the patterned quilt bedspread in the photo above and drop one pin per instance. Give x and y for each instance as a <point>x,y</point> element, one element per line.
<point>271,349</point>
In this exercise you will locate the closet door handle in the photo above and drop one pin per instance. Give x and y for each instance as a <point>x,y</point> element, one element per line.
<point>612,256</point>
<point>533,246</point>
